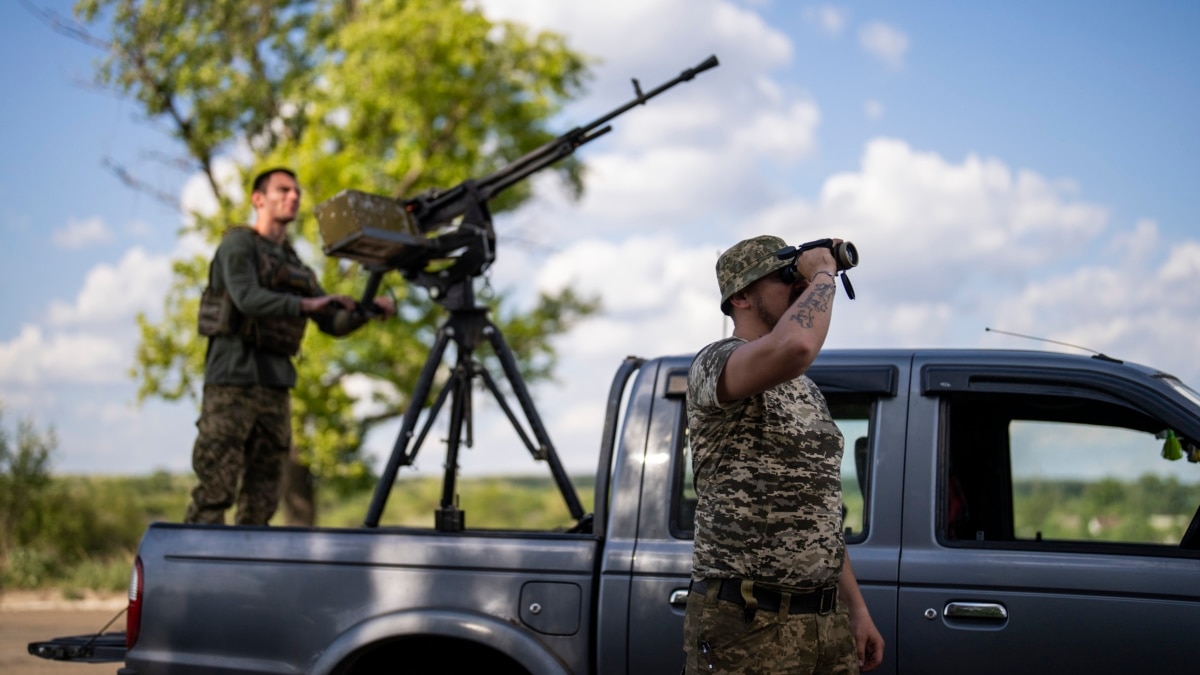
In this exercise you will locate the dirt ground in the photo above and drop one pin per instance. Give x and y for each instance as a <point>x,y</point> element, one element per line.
<point>31,617</point>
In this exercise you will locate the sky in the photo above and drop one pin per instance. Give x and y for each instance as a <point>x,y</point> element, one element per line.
<point>1027,166</point>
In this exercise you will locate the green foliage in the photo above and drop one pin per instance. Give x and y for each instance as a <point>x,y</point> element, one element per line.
<point>97,574</point>
<point>24,482</point>
<point>89,527</point>
<point>1151,509</point>
<point>76,532</point>
<point>217,70</point>
<point>83,530</point>
<point>852,499</point>
<point>391,97</point>
<point>27,568</point>
<point>500,503</point>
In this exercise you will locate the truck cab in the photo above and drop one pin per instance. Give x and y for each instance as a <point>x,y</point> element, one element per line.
<point>988,513</point>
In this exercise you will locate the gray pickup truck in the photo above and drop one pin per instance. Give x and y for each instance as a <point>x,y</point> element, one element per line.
<point>1006,511</point>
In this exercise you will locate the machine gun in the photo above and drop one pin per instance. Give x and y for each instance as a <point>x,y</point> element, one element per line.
<point>442,240</point>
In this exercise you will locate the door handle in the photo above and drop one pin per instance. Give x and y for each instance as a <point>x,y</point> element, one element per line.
<point>679,597</point>
<point>975,610</point>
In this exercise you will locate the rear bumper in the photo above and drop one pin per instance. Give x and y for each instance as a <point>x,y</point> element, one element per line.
<point>102,648</point>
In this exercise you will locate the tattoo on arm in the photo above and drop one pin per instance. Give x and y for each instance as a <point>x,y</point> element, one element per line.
<point>818,299</point>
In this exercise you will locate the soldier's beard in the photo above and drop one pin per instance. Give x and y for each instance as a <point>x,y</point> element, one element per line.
<point>764,315</point>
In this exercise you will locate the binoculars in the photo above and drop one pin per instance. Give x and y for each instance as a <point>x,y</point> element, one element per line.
<point>845,255</point>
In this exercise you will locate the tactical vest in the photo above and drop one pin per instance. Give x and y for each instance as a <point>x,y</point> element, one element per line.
<point>279,269</point>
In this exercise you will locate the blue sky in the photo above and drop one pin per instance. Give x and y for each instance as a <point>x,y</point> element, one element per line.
<point>1028,166</point>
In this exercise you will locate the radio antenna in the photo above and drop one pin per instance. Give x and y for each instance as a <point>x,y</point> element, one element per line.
<point>1096,354</point>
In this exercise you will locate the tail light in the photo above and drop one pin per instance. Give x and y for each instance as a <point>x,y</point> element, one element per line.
<point>133,615</point>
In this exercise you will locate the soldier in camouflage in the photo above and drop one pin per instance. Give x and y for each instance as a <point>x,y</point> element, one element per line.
<point>772,586</point>
<point>259,299</point>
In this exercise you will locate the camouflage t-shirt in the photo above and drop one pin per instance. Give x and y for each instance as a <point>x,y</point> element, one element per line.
<point>768,477</point>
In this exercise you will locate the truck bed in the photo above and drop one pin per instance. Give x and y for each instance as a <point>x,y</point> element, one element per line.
<point>304,599</point>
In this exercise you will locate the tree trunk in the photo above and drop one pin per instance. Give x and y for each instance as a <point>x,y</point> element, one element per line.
<point>298,496</point>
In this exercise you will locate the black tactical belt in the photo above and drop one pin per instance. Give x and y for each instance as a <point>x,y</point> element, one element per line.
<point>819,601</point>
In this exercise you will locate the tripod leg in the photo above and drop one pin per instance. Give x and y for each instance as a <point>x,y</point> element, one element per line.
<point>431,416</point>
<point>399,453</point>
<point>513,373</point>
<point>449,518</point>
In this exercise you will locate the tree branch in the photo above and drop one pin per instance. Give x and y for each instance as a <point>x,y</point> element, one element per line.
<point>66,27</point>
<point>131,182</point>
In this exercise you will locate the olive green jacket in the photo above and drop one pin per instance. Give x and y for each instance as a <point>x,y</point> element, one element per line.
<point>231,360</point>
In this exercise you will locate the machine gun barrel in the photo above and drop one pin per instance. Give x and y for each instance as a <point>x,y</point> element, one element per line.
<point>440,207</point>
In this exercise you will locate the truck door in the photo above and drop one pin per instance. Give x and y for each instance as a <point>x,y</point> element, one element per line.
<point>862,398</point>
<point>1049,521</point>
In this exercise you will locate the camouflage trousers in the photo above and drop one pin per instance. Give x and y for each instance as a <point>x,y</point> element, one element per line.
<point>245,433</point>
<point>717,639</point>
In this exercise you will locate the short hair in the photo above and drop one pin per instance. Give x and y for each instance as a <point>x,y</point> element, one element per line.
<point>260,181</point>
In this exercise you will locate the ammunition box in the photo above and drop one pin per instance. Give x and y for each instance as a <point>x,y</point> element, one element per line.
<point>374,230</point>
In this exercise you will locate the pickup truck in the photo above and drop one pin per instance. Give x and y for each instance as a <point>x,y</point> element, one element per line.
<point>1005,511</point>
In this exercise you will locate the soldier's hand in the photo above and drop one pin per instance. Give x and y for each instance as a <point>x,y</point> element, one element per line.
<point>815,260</point>
<point>386,305</point>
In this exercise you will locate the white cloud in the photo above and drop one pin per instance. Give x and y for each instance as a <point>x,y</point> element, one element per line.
<point>657,187</point>
<point>115,294</point>
<point>197,195</point>
<point>92,339</point>
<point>644,273</point>
<point>139,228</point>
<point>828,18</point>
<point>1147,312</point>
<point>932,221</point>
<point>81,233</point>
<point>671,35</point>
<point>109,412</point>
<point>1139,244</point>
<point>36,358</point>
<point>888,43</point>
<point>601,29</point>
<point>1181,270</point>
<point>786,135</point>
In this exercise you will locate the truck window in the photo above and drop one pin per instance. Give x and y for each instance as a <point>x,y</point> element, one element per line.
<point>851,411</point>
<point>1027,470</point>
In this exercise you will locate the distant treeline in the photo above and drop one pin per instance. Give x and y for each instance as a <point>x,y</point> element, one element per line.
<point>1149,509</point>
<point>80,532</point>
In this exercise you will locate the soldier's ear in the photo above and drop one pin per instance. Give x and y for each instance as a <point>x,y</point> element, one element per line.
<point>739,299</point>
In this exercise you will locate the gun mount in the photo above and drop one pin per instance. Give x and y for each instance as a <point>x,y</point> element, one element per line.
<point>442,240</point>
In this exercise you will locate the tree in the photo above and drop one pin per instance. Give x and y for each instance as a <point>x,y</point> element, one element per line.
<point>24,482</point>
<point>390,97</point>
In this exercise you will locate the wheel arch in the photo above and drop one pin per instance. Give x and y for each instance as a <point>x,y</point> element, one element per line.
<point>403,632</point>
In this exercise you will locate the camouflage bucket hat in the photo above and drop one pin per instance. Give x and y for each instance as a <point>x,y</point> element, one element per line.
<point>746,262</point>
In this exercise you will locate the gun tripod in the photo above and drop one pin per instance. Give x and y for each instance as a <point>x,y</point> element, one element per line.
<point>467,326</point>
